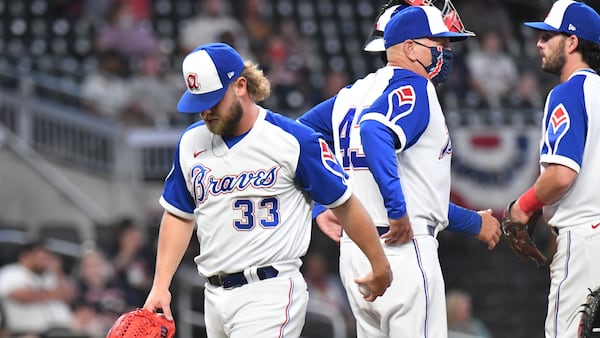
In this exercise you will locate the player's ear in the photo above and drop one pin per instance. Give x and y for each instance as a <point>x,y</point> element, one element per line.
<point>240,86</point>
<point>572,43</point>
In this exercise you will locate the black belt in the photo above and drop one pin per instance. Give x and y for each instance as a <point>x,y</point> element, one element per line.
<point>430,229</point>
<point>233,280</point>
<point>382,230</point>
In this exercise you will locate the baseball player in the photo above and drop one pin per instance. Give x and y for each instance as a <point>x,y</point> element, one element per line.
<point>480,224</point>
<point>247,177</point>
<point>391,138</point>
<point>566,189</point>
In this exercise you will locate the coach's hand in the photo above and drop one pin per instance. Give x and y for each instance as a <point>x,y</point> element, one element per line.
<point>400,231</point>
<point>490,229</point>
<point>159,299</point>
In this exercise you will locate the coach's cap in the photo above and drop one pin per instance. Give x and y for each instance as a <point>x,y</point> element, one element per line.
<point>571,17</point>
<point>207,71</point>
<point>418,22</point>
<point>375,40</point>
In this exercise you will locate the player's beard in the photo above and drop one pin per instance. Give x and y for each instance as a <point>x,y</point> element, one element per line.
<point>227,123</point>
<point>555,62</point>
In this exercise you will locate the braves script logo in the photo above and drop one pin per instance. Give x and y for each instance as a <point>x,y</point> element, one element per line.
<point>205,184</point>
<point>557,127</point>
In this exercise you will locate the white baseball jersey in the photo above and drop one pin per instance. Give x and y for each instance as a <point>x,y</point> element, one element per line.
<point>571,137</point>
<point>406,104</point>
<point>394,113</point>
<point>252,198</point>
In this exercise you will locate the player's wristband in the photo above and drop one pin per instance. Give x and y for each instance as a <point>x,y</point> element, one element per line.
<point>529,202</point>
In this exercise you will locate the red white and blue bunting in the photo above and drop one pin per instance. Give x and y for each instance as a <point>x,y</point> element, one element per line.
<point>492,166</point>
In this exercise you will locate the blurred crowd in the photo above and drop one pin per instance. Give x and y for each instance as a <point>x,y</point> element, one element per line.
<point>135,79</point>
<point>135,74</point>
<point>44,294</point>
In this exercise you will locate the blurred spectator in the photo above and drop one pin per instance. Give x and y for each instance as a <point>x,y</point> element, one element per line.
<point>106,92</point>
<point>209,25</point>
<point>527,93</point>
<point>325,290</point>
<point>35,293</point>
<point>283,78</point>
<point>285,59</point>
<point>493,71</point>
<point>155,90</point>
<point>334,81</point>
<point>127,31</point>
<point>461,322</point>
<point>132,262</point>
<point>482,16</point>
<point>256,24</point>
<point>99,301</point>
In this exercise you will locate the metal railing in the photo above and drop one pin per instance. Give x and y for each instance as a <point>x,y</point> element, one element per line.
<point>75,138</point>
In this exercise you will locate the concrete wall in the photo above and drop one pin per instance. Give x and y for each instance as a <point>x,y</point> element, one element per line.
<point>28,198</point>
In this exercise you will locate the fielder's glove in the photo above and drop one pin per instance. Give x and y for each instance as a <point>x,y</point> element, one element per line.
<point>520,236</point>
<point>141,323</point>
<point>590,317</point>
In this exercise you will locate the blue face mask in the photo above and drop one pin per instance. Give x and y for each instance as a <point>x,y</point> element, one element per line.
<point>441,63</point>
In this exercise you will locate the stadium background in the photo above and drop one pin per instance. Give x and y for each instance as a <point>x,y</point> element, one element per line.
<point>74,161</point>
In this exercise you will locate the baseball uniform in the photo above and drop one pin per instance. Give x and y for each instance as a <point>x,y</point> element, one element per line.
<point>251,197</point>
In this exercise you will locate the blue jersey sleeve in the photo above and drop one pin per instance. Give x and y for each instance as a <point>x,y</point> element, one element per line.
<point>379,147</point>
<point>319,172</point>
<point>463,220</point>
<point>565,124</point>
<point>403,108</point>
<point>317,210</point>
<point>175,190</point>
<point>319,119</point>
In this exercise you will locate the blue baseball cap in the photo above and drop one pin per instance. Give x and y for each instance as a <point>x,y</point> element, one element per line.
<point>207,71</point>
<point>571,17</point>
<point>417,22</point>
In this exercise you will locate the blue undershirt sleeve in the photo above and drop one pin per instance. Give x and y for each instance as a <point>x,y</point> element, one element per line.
<point>463,220</point>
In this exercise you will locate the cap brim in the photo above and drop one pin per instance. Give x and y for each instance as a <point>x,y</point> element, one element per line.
<point>375,45</point>
<point>454,36</point>
<point>541,26</point>
<point>196,103</point>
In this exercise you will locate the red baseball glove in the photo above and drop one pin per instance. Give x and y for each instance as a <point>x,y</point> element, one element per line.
<point>141,323</point>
